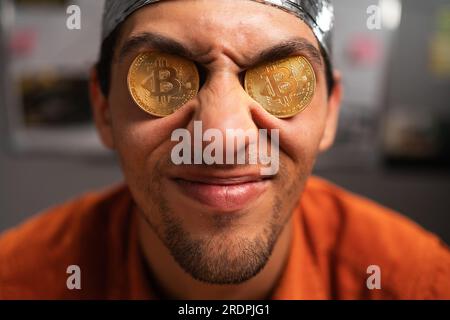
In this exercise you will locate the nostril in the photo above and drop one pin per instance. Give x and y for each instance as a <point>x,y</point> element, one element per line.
<point>202,73</point>
<point>242,78</point>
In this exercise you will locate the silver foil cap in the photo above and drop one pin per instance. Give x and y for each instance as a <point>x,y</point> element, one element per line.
<point>317,14</point>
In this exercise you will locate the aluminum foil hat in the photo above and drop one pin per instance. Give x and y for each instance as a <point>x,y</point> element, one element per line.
<point>317,14</point>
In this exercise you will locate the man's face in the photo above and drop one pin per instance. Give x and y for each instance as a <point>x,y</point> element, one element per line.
<point>220,222</point>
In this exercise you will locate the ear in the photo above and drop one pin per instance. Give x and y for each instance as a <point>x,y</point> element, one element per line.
<point>334,103</point>
<point>100,110</point>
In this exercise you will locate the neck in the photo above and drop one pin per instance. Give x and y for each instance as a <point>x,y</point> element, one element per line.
<point>175,283</point>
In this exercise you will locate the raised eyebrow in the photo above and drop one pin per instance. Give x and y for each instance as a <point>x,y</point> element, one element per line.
<point>154,41</point>
<point>286,49</point>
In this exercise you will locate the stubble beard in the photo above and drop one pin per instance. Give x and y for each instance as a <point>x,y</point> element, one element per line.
<point>221,256</point>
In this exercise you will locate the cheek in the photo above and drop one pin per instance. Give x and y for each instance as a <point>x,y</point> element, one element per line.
<point>136,139</point>
<point>301,135</point>
<point>136,134</point>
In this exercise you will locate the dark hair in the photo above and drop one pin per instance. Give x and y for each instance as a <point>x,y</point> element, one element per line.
<point>107,53</point>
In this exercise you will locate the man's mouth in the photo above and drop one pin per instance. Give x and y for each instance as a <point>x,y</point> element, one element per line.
<point>223,193</point>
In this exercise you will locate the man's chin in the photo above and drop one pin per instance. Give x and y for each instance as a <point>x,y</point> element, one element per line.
<point>222,258</point>
<point>226,250</point>
<point>219,233</point>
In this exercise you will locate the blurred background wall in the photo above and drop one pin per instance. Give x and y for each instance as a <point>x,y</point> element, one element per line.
<point>392,145</point>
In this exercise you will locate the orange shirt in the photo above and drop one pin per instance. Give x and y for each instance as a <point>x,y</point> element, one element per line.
<point>337,236</point>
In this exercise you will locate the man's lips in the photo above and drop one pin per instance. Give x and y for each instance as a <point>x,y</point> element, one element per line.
<point>223,194</point>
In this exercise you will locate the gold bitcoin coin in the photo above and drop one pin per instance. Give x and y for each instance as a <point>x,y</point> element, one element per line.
<point>161,83</point>
<point>284,88</point>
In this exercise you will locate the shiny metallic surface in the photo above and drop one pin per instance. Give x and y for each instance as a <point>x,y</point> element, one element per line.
<point>284,88</point>
<point>162,83</point>
<point>317,14</point>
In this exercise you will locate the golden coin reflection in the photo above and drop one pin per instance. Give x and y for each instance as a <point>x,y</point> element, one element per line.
<point>161,83</point>
<point>284,88</point>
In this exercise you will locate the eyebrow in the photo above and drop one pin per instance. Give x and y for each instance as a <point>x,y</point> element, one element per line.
<point>287,49</point>
<point>157,42</point>
<point>168,45</point>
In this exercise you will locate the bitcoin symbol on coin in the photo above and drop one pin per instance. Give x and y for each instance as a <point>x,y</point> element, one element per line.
<point>284,88</point>
<point>279,84</point>
<point>161,83</point>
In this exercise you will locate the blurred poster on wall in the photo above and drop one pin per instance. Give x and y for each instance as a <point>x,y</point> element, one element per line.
<point>416,126</point>
<point>47,69</point>
<point>440,44</point>
<point>51,99</point>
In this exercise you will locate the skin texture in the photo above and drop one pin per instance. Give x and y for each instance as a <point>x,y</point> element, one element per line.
<point>192,250</point>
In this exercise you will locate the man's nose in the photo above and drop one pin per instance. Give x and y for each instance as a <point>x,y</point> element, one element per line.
<point>225,106</point>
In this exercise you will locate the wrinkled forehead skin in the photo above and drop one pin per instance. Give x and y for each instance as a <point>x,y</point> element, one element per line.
<point>317,14</point>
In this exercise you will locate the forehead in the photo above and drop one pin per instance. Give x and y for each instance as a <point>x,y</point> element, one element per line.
<point>239,26</point>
